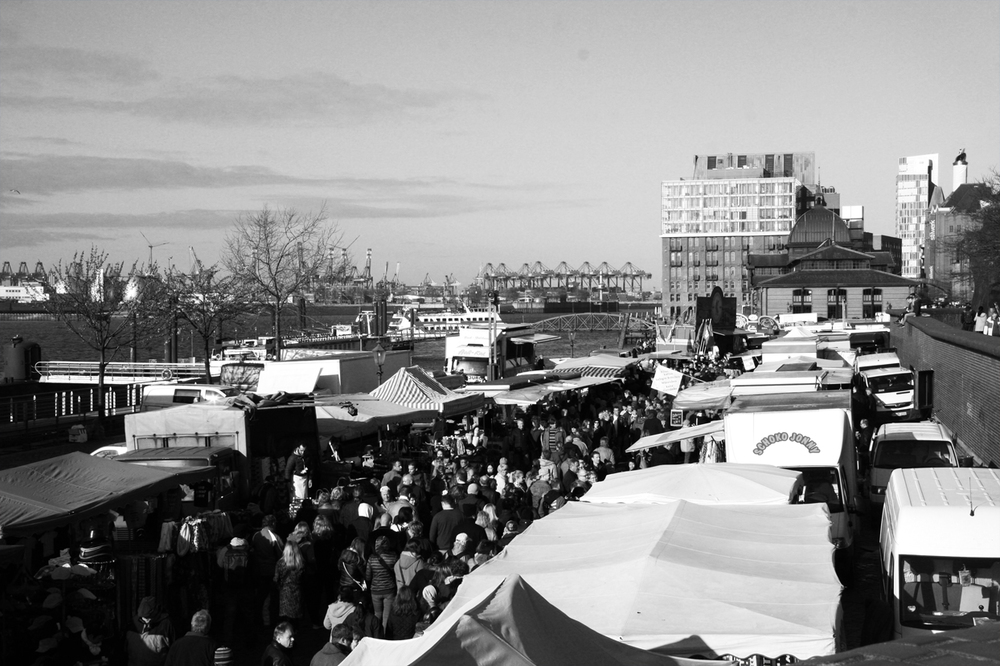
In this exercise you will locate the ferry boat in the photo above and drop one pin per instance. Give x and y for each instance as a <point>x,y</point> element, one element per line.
<point>443,322</point>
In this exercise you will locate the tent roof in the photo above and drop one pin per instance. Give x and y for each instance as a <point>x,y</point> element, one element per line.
<point>672,436</point>
<point>532,394</point>
<point>49,493</point>
<point>681,578</point>
<point>413,387</point>
<point>710,395</point>
<point>722,483</point>
<point>509,623</point>
<point>334,419</point>
<point>597,365</point>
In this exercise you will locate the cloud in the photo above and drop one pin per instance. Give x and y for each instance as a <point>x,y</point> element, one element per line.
<point>52,140</point>
<point>34,63</point>
<point>231,99</point>
<point>50,174</point>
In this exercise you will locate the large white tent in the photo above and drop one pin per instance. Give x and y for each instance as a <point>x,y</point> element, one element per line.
<point>702,483</point>
<point>509,624</point>
<point>682,579</point>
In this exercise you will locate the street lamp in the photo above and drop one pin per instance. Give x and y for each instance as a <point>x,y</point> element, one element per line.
<point>379,355</point>
<point>572,342</point>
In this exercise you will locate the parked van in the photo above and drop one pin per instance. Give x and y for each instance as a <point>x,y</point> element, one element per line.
<point>222,486</point>
<point>864,362</point>
<point>162,396</point>
<point>888,393</point>
<point>907,445</point>
<point>940,549</point>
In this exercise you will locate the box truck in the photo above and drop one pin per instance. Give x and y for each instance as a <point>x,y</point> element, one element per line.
<point>940,548</point>
<point>811,433</point>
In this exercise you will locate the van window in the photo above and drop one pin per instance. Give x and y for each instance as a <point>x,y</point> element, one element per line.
<point>821,484</point>
<point>947,593</point>
<point>897,453</point>
<point>187,396</point>
<point>890,383</point>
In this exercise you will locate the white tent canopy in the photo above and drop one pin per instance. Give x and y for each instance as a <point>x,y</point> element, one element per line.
<point>702,483</point>
<point>511,624</point>
<point>672,436</point>
<point>710,395</point>
<point>682,579</point>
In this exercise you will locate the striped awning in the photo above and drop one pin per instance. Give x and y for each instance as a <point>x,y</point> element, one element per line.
<point>415,388</point>
<point>601,365</point>
<point>593,371</point>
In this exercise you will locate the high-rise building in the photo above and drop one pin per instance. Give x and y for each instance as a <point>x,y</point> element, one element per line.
<point>734,205</point>
<point>916,189</point>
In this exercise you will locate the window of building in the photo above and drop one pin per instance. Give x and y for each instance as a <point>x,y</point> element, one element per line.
<point>871,303</point>
<point>788,165</point>
<point>711,161</point>
<point>741,161</point>
<point>836,303</point>
<point>802,301</point>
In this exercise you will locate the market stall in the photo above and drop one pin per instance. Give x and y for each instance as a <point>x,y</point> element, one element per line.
<point>727,483</point>
<point>682,579</point>
<point>510,623</point>
<point>352,415</point>
<point>414,388</point>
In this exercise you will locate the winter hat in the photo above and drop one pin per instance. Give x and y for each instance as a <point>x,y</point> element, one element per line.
<point>223,657</point>
<point>430,595</point>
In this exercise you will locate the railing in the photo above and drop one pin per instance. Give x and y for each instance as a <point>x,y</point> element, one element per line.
<point>118,373</point>
<point>596,322</point>
<point>24,412</point>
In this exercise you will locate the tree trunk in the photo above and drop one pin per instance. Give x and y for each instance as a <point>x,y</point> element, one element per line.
<point>101,366</point>
<point>277,330</point>
<point>208,361</point>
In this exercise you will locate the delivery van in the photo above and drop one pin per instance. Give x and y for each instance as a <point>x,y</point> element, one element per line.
<point>907,445</point>
<point>939,548</point>
<point>863,362</point>
<point>888,393</point>
<point>811,433</point>
<point>222,486</point>
<point>162,396</point>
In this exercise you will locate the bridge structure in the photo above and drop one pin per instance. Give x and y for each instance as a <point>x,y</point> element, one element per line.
<point>85,372</point>
<point>599,321</point>
<point>628,278</point>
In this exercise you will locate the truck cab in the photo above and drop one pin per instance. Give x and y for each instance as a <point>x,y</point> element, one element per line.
<point>939,546</point>
<point>888,393</point>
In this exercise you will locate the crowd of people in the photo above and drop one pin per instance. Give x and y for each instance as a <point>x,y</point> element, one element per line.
<point>382,554</point>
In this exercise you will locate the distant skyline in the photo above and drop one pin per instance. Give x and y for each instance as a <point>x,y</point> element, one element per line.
<point>447,135</point>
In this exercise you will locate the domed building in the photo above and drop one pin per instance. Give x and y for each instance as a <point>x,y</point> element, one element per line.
<point>825,272</point>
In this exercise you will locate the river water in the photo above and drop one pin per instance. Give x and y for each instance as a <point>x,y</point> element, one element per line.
<point>58,343</point>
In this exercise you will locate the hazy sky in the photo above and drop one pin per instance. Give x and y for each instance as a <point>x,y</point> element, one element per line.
<point>445,135</point>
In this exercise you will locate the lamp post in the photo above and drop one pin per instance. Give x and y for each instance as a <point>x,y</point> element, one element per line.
<point>379,355</point>
<point>572,342</point>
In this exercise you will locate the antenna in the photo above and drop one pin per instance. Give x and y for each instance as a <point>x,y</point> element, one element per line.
<point>151,246</point>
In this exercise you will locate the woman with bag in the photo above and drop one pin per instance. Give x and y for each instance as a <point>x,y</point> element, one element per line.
<point>381,579</point>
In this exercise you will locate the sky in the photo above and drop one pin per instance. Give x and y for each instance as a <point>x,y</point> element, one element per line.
<point>448,135</point>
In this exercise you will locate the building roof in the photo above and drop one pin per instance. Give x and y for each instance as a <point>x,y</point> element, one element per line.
<point>834,252</point>
<point>768,260</point>
<point>880,258</point>
<point>816,225</point>
<point>861,277</point>
<point>966,198</point>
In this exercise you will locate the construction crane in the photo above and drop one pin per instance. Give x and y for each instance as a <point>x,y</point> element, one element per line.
<point>196,265</point>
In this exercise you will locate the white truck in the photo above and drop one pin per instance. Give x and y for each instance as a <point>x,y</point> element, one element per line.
<point>940,549</point>
<point>907,445</point>
<point>888,393</point>
<point>811,433</point>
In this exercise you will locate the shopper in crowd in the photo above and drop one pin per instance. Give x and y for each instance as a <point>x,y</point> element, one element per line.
<point>381,578</point>
<point>288,577</point>
<point>279,652</point>
<point>195,648</point>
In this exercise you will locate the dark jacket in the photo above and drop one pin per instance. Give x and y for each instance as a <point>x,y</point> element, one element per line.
<point>276,655</point>
<point>443,528</point>
<point>329,655</point>
<point>192,649</point>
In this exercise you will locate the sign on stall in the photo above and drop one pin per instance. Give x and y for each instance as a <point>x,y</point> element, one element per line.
<point>667,381</point>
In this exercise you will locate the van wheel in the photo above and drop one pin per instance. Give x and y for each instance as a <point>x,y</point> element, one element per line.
<point>843,564</point>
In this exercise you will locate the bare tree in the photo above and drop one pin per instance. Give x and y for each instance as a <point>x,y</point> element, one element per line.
<point>278,254</point>
<point>207,300</point>
<point>105,306</point>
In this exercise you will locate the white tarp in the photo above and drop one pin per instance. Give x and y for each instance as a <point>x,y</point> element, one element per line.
<point>510,624</point>
<point>672,436</point>
<point>701,483</point>
<point>709,395</point>
<point>682,579</point>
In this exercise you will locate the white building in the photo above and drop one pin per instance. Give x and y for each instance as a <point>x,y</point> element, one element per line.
<point>915,193</point>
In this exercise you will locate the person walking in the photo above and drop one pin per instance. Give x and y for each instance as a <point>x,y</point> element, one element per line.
<point>381,579</point>
<point>405,614</point>
<point>279,652</point>
<point>266,548</point>
<point>968,317</point>
<point>288,577</point>
<point>195,648</point>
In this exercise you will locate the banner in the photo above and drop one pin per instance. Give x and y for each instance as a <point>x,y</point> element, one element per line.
<point>667,381</point>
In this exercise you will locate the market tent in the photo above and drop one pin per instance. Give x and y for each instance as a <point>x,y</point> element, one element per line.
<point>702,483</point>
<point>672,436</point>
<point>509,623</point>
<point>68,488</point>
<point>597,365</point>
<point>533,394</point>
<point>334,417</point>
<point>413,387</point>
<point>710,395</point>
<point>682,579</point>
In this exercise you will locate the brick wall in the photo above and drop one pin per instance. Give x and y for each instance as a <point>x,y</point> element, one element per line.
<point>966,379</point>
<point>779,299</point>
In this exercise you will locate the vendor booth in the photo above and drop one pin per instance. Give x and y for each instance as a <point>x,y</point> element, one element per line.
<point>725,483</point>
<point>350,415</point>
<point>510,623</point>
<point>682,579</point>
<point>413,387</point>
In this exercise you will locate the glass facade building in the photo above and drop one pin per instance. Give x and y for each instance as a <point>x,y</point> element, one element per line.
<point>914,187</point>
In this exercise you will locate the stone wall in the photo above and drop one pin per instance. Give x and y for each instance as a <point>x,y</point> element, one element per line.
<point>966,380</point>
